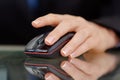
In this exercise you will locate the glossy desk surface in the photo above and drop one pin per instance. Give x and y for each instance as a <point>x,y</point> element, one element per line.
<point>12,65</point>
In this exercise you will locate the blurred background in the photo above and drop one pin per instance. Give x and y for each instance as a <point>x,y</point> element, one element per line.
<point>16,29</point>
<point>16,16</point>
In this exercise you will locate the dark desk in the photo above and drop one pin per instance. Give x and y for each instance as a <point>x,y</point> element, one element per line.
<point>12,63</point>
<point>12,66</point>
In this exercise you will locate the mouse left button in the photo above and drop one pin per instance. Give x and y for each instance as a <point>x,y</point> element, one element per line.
<point>31,46</point>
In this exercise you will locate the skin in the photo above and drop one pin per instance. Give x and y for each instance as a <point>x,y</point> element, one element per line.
<point>92,68</point>
<point>88,36</point>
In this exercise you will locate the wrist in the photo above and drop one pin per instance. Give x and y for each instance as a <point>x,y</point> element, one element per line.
<point>113,39</point>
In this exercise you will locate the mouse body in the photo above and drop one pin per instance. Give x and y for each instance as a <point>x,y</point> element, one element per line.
<point>37,47</point>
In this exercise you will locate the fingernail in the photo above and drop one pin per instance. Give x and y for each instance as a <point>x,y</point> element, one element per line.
<point>71,60</point>
<point>63,64</point>
<point>36,22</point>
<point>49,77</point>
<point>65,52</point>
<point>49,40</point>
<point>72,55</point>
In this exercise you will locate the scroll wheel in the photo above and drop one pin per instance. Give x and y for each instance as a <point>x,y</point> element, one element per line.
<point>40,41</point>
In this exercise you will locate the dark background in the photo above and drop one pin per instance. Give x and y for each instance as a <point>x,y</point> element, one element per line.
<point>16,16</point>
<point>15,22</point>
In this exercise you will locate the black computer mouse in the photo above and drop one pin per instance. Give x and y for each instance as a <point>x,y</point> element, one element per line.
<point>37,47</point>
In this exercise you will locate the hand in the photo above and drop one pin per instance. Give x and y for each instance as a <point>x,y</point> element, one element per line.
<point>93,68</point>
<point>88,35</point>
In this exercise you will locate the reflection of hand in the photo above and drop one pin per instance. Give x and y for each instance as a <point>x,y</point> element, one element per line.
<point>89,36</point>
<point>93,68</point>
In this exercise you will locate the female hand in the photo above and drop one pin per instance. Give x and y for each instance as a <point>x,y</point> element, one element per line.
<point>88,35</point>
<point>92,68</point>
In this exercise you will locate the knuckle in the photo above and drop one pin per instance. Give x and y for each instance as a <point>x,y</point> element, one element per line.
<point>71,25</point>
<point>68,23</point>
<point>84,33</point>
<point>87,45</point>
<point>51,14</point>
<point>81,19</point>
<point>54,17</point>
<point>65,22</point>
<point>67,16</point>
<point>58,32</point>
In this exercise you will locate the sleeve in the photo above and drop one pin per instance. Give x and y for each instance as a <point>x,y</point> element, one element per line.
<point>112,22</point>
<point>110,16</point>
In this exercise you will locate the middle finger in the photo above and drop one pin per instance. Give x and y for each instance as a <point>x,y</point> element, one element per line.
<point>75,42</point>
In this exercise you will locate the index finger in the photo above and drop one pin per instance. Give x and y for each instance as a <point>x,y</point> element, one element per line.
<point>49,19</point>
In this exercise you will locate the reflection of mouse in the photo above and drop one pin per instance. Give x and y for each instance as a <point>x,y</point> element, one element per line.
<point>40,66</point>
<point>37,48</point>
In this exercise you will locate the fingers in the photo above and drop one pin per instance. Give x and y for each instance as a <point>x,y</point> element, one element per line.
<point>50,19</point>
<point>63,28</point>
<point>75,42</point>
<point>84,66</point>
<point>77,69</point>
<point>86,46</point>
<point>50,76</point>
<point>80,70</point>
<point>73,71</point>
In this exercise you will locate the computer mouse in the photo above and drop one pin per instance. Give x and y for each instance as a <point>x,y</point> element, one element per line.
<point>37,47</point>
